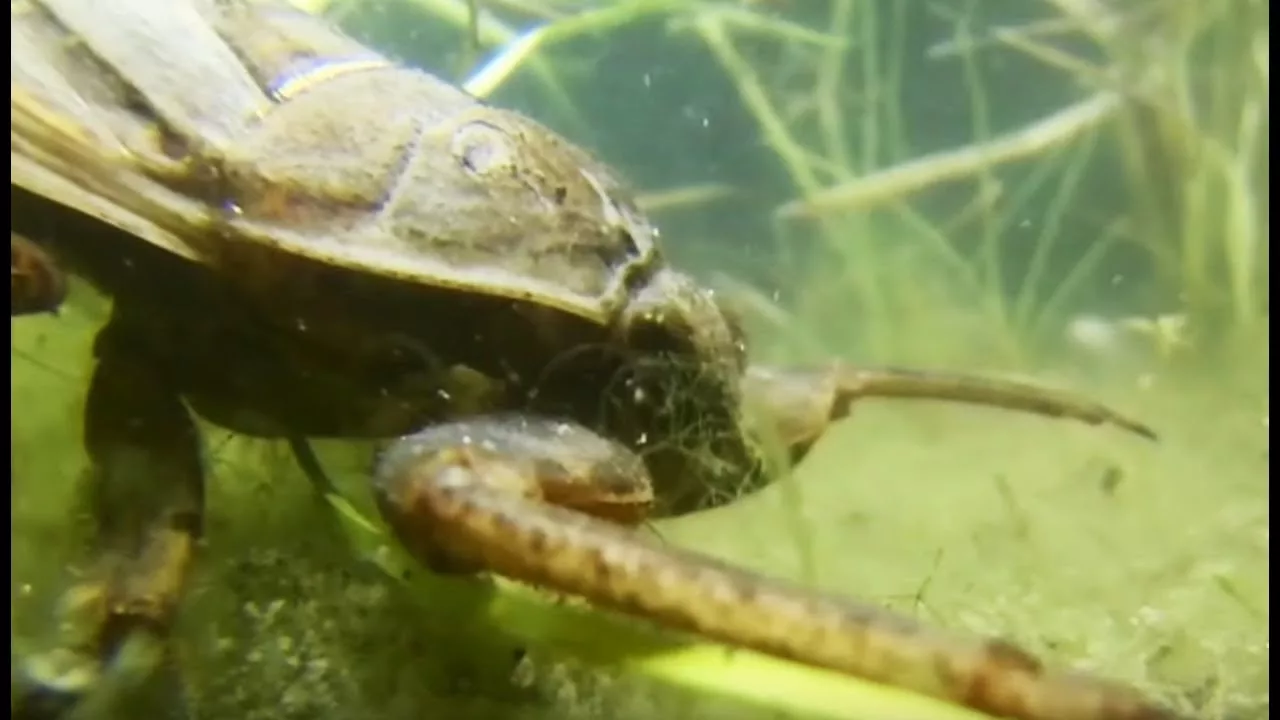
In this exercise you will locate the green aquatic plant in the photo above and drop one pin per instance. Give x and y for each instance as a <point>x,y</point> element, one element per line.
<point>1179,93</point>
<point>1196,149</point>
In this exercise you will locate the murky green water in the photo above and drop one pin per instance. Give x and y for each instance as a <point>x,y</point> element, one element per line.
<point>1146,562</point>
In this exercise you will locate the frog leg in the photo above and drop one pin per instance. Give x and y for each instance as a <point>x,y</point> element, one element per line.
<point>146,496</point>
<point>548,503</point>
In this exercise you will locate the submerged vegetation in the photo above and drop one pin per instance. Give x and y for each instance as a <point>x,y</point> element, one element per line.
<point>958,183</point>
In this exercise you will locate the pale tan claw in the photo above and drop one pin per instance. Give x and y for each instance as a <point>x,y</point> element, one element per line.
<point>802,402</point>
<point>474,496</point>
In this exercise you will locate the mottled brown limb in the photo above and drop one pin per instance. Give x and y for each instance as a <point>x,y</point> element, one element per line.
<point>801,403</point>
<point>36,283</point>
<point>146,495</point>
<point>484,495</point>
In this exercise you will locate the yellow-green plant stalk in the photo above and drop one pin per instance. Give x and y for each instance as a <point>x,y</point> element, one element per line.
<point>610,641</point>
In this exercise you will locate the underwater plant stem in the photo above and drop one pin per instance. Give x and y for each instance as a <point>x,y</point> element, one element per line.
<point>777,28</point>
<point>869,28</point>
<point>773,128</point>
<point>989,255</point>
<point>489,31</point>
<point>895,182</point>
<point>1026,300</point>
<point>521,48</point>
<point>608,640</point>
<point>830,82</point>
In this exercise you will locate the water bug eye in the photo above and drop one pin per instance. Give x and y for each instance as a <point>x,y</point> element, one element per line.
<point>482,148</point>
